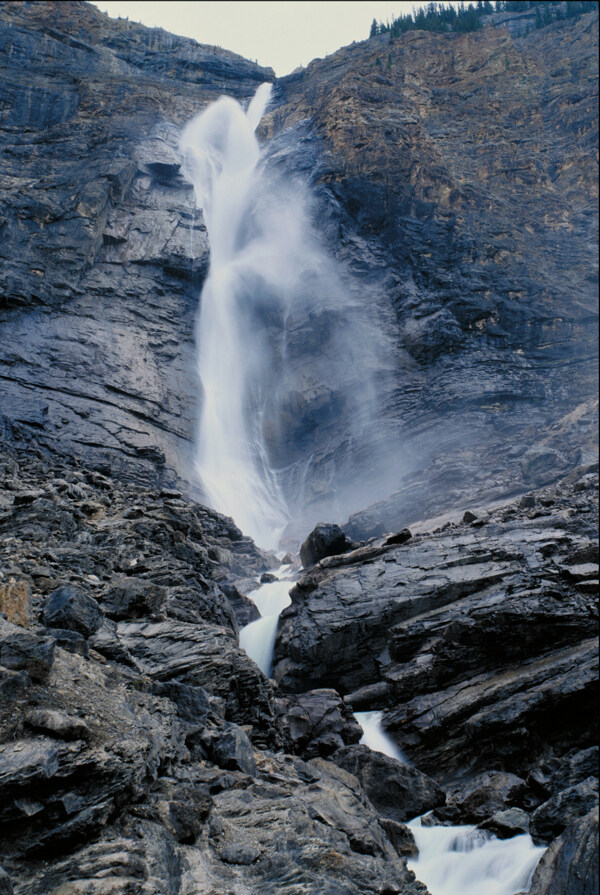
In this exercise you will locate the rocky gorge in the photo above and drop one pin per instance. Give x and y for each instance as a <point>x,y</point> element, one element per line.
<point>453,179</point>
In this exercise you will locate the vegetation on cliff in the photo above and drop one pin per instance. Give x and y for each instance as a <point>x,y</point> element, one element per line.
<point>462,19</point>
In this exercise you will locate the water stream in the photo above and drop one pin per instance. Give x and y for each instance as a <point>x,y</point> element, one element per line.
<point>466,861</point>
<point>258,638</point>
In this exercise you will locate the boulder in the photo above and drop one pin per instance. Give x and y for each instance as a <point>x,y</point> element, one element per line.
<point>575,769</point>
<point>72,608</point>
<point>317,723</point>
<point>506,824</point>
<point>57,724</point>
<point>231,749</point>
<point>185,810</point>
<point>22,650</point>
<point>132,598</point>
<point>552,817</point>
<point>397,791</point>
<point>484,795</point>
<point>570,865</point>
<point>326,539</point>
<point>192,702</point>
<point>72,641</point>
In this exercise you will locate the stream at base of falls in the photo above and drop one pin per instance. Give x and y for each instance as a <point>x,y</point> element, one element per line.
<point>453,860</point>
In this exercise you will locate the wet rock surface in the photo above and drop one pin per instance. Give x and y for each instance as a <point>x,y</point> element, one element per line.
<point>570,865</point>
<point>397,791</point>
<point>326,539</point>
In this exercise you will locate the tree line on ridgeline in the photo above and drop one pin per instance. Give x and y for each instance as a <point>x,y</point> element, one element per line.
<point>463,18</point>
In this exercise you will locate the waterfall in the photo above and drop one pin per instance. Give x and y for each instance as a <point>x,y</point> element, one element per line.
<point>220,155</point>
<point>258,638</point>
<point>375,737</point>
<point>467,861</point>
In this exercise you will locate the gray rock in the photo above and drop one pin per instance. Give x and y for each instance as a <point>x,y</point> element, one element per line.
<point>401,838</point>
<point>13,683</point>
<point>192,703</point>
<point>326,539</point>
<point>57,724</point>
<point>72,641</point>
<point>570,865</point>
<point>552,817</point>
<point>185,811</point>
<point>317,722</point>
<point>506,824</point>
<point>449,634</point>
<point>72,608</point>
<point>6,887</point>
<point>485,795</point>
<point>575,769</point>
<point>397,791</point>
<point>22,650</point>
<point>132,598</point>
<point>231,749</point>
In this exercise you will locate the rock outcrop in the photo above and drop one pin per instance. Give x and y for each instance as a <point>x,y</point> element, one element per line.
<point>458,184</point>
<point>102,250</point>
<point>478,639</point>
<point>140,748</point>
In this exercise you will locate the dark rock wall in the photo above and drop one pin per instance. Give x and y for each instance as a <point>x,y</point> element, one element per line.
<point>102,253</point>
<point>454,181</point>
<point>459,177</point>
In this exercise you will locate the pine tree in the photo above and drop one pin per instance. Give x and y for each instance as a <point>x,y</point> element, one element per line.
<point>374,28</point>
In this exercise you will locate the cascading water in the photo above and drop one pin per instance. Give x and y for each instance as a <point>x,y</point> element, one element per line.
<point>375,737</point>
<point>467,861</point>
<point>220,153</point>
<point>292,350</point>
<point>258,638</point>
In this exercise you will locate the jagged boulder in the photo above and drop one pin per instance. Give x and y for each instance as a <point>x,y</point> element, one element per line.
<point>552,817</point>
<point>70,607</point>
<point>317,722</point>
<point>326,539</point>
<point>398,791</point>
<point>570,864</point>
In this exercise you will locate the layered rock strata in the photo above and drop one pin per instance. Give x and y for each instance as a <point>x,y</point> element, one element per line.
<point>478,638</point>
<point>453,181</point>
<point>140,748</point>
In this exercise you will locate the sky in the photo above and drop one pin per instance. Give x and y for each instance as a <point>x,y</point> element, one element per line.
<point>282,34</point>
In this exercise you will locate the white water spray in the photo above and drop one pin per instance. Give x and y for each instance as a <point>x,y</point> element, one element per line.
<point>258,638</point>
<point>375,737</point>
<point>220,153</point>
<point>467,861</point>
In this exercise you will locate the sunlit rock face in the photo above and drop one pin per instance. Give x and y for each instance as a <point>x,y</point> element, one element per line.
<point>449,180</point>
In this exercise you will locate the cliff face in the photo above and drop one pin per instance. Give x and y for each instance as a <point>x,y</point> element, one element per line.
<point>102,254</point>
<point>464,172</point>
<point>455,183</point>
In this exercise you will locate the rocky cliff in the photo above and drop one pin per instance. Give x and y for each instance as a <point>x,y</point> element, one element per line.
<point>454,179</point>
<point>102,255</point>
<point>453,183</point>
